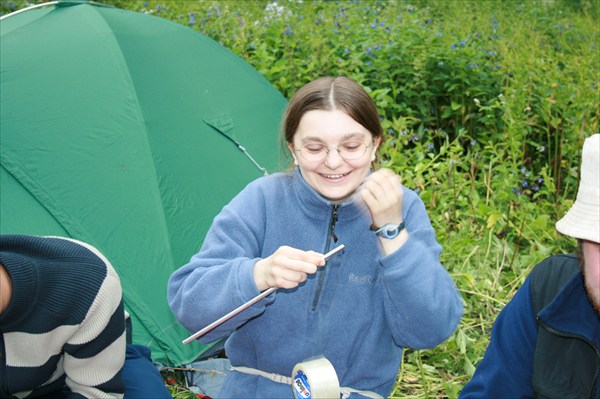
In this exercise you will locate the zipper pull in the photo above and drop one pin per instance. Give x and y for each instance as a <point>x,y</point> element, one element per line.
<point>334,218</point>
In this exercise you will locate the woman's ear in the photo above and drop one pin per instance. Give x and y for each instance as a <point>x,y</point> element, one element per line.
<point>376,142</point>
<point>291,148</point>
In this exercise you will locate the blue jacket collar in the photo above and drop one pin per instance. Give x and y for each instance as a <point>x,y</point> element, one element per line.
<point>313,204</point>
<point>571,312</point>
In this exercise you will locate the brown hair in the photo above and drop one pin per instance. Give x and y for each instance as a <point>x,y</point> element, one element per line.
<point>328,94</point>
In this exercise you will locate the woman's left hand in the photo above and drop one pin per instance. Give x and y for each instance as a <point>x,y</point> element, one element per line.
<point>383,194</point>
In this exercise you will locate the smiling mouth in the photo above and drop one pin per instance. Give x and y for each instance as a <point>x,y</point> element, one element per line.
<point>336,176</point>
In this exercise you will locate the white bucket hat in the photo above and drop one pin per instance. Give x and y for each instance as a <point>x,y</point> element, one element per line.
<point>583,219</point>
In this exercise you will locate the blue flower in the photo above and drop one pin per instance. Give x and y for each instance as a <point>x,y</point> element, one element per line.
<point>252,47</point>
<point>192,18</point>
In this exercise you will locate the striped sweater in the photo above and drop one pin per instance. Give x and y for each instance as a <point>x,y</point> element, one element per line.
<point>65,323</point>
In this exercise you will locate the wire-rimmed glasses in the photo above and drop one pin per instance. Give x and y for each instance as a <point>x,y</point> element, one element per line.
<point>348,150</point>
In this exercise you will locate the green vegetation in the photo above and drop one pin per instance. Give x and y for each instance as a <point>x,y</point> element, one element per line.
<point>485,105</point>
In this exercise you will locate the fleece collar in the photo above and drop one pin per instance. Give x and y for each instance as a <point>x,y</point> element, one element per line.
<point>315,206</point>
<point>571,312</point>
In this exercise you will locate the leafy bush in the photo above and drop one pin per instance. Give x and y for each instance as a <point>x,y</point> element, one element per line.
<point>485,105</point>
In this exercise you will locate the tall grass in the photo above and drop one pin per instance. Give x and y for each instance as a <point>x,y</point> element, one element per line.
<point>485,105</point>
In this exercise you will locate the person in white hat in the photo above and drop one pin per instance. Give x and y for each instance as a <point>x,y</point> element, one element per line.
<point>546,341</point>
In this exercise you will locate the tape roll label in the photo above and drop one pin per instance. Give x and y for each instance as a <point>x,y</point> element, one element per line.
<point>301,386</point>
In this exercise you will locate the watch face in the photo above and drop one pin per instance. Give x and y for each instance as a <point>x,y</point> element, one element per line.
<point>390,231</point>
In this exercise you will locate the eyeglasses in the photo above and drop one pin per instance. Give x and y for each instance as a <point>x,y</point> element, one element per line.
<point>348,150</point>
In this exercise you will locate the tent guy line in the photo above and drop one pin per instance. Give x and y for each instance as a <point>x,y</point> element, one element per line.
<point>246,305</point>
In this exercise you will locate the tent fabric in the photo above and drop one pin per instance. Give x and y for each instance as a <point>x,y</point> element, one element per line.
<point>129,132</point>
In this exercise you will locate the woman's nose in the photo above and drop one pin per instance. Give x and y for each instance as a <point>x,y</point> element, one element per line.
<point>333,158</point>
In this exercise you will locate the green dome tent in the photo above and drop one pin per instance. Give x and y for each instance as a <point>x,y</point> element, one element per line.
<point>128,132</point>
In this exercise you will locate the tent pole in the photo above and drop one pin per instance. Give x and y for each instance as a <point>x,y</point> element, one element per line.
<point>28,8</point>
<point>50,3</point>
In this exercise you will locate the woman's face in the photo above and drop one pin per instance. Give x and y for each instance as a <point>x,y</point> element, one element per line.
<point>318,136</point>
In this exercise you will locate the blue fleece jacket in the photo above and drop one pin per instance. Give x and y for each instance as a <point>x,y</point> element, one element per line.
<point>506,370</point>
<point>359,311</point>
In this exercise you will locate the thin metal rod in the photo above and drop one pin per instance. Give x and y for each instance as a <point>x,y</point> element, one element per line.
<point>28,8</point>
<point>50,3</point>
<point>246,305</point>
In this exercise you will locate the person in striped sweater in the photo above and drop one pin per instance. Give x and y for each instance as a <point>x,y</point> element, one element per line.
<point>62,325</point>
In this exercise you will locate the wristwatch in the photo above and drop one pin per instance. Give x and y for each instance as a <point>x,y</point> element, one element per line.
<point>388,230</point>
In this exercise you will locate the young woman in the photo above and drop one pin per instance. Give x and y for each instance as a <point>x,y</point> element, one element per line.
<point>386,291</point>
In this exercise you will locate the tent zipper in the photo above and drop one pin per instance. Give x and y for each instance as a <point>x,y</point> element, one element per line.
<point>321,272</point>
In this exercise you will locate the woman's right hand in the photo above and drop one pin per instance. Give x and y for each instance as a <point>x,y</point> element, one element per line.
<point>286,268</point>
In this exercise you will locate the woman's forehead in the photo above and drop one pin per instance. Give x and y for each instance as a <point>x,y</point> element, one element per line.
<point>322,138</point>
<point>335,125</point>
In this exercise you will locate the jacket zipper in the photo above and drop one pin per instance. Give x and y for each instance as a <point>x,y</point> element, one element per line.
<point>322,271</point>
<point>561,334</point>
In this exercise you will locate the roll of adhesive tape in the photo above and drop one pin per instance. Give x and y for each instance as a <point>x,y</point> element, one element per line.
<point>315,379</point>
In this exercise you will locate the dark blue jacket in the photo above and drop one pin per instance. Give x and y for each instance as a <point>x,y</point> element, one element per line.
<point>507,369</point>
